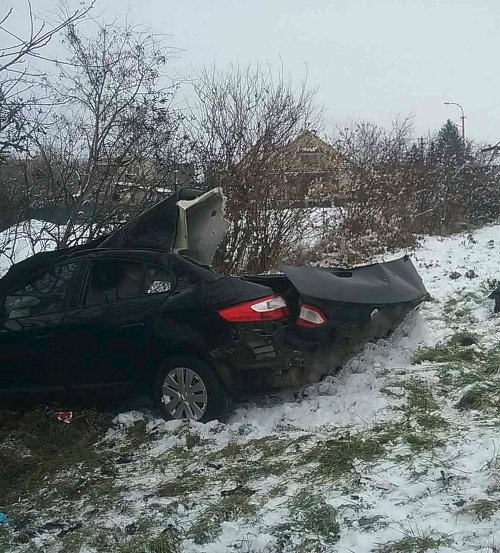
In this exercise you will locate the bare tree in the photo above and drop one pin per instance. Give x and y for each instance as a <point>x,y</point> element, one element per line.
<point>111,126</point>
<point>241,119</point>
<point>20,103</point>
<point>18,76</point>
<point>380,207</point>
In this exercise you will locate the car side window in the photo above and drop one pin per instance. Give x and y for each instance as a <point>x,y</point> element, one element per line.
<point>45,294</point>
<point>118,280</point>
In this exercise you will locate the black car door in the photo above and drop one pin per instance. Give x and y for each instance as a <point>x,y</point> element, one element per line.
<point>107,334</point>
<point>30,322</point>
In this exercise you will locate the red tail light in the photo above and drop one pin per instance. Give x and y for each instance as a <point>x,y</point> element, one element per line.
<point>310,316</point>
<point>270,308</point>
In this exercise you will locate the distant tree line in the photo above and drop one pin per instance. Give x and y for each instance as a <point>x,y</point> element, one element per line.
<point>401,188</point>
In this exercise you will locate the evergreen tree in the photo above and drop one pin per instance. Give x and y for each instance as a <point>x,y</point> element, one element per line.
<point>415,155</point>
<point>449,147</point>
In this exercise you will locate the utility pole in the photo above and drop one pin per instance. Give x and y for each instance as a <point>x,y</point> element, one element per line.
<point>462,117</point>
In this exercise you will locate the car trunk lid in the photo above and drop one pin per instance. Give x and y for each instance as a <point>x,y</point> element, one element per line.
<point>379,284</point>
<point>322,300</point>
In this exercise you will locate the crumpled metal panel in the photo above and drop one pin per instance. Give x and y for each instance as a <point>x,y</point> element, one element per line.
<point>392,282</point>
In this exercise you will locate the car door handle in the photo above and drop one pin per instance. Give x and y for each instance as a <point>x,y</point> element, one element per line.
<point>132,325</point>
<point>44,336</point>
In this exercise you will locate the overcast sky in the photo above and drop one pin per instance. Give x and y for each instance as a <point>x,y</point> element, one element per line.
<point>371,59</point>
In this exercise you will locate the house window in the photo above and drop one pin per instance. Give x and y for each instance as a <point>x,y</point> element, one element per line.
<point>310,157</point>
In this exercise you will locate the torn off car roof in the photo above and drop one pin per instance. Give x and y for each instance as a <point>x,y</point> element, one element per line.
<point>190,222</point>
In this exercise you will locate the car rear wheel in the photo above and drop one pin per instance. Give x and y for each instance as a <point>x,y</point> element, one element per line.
<point>187,388</point>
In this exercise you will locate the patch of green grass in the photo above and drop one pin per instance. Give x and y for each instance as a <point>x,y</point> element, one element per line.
<point>236,462</point>
<point>88,486</point>
<point>74,542</point>
<point>419,396</point>
<point>277,491</point>
<point>115,539</point>
<point>176,455</point>
<point>37,447</point>
<point>397,393</point>
<point>431,421</point>
<point>459,306</point>
<point>207,526</point>
<point>422,442</point>
<point>180,486</point>
<point>193,440</point>
<point>463,339</point>
<point>256,458</point>
<point>167,542</point>
<point>482,396</point>
<point>136,435</point>
<point>310,513</point>
<point>457,349</point>
<point>390,431</point>
<point>6,542</point>
<point>245,471</point>
<point>336,456</point>
<point>266,447</point>
<point>444,353</point>
<point>462,349</point>
<point>466,366</point>
<point>231,451</point>
<point>422,407</point>
<point>465,377</point>
<point>405,432</point>
<point>458,376</point>
<point>491,360</point>
<point>415,544</point>
<point>483,509</point>
<point>372,523</point>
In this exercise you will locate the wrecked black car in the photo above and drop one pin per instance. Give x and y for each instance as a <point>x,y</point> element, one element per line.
<point>141,308</point>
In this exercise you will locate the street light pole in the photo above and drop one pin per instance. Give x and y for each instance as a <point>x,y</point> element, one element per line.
<point>462,116</point>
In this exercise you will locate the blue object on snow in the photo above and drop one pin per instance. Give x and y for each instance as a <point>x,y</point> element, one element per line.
<point>3,518</point>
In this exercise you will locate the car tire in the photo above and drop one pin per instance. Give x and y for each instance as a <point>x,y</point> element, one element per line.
<point>186,387</point>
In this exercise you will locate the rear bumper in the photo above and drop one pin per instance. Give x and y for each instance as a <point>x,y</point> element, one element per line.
<point>254,347</point>
<point>271,356</point>
<point>260,358</point>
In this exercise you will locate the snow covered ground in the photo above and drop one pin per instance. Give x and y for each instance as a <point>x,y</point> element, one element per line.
<point>25,239</point>
<point>399,452</point>
<point>32,236</point>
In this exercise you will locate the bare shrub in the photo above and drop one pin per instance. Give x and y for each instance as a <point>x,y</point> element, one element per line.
<point>379,210</point>
<point>241,119</point>
<point>398,189</point>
